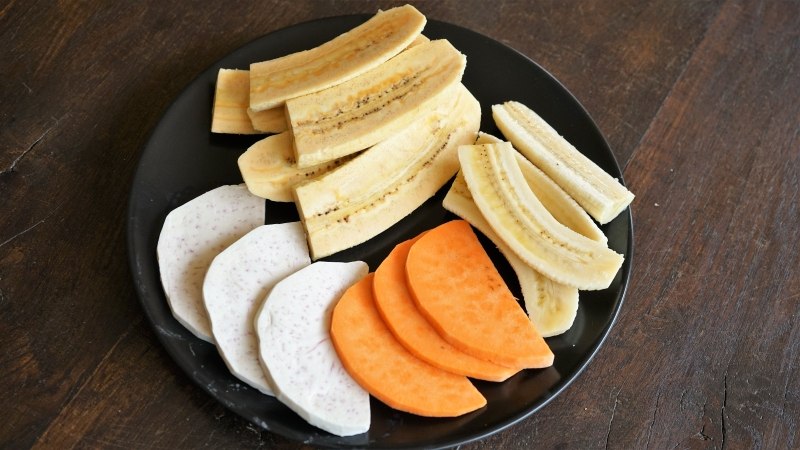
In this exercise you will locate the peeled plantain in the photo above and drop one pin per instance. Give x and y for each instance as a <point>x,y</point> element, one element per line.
<point>380,186</point>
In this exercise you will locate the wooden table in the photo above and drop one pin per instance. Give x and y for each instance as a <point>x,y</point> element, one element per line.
<point>699,101</point>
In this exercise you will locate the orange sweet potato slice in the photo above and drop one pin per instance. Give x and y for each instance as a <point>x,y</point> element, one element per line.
<point>383,367</point>
<point>397,309</point>
<point>457,288</point>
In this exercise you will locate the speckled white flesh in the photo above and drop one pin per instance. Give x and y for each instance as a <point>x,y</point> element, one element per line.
<point>192,235</point>
<point>296,351</point>
<point>236,283</point>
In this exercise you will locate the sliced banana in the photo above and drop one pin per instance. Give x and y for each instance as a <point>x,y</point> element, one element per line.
<point>551,306</point>
<point>346,56</point>
<point>563,207</point>
<point>602,196</point>
<point>271,120</point>
<point>372,107</point>
<point>367,195</point>
<point>269,169</point>
<point>516,214</point>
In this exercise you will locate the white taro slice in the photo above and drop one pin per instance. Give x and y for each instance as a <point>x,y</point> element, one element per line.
<point>192,235</point>
<point>295,347</point>
<point>236,283</point>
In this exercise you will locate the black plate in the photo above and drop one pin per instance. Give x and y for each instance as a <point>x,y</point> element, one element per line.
<point>183,159</point>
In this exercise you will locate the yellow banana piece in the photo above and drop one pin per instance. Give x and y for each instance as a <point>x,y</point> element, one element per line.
<point>563,207</point>
<point>348,55</point>
<point>271,120</point>
<point>269,170</point>
<point>519,218</point>
<point>369,108</point>
<point>380,186</point>
<point>230,112</point>
<point>551,306</point>
<point>602,196</point>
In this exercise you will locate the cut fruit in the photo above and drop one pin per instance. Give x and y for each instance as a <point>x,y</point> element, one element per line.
<point>271,120</point>
<point>235,285</point>
<point>563,207</point>
<point>367,195</point>
<point>551,306</point>
<point>230,113</point>
<point>192,235</point>
<point>457,288</point>
<point>382,366</point>
<point>296,350</point>
<point>602,196</point>
<point>269,169</point>
<point>383,36</point>
<point>375,105</point>
<point>519,218</point>
<point>396,306</point>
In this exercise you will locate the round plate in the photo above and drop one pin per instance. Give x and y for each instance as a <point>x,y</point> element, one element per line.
<point>183,159</point>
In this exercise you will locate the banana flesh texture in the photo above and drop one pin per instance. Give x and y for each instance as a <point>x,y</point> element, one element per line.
<point>563,207</point>
<point>231,113</point>
<point>372,107</point>
<point>350,54</point>
<point>269,170</point>
<point>519,218</point>
<point>380,186</point>
<point>602,196</point>
<point>551,306</point>
<point>271,120</point>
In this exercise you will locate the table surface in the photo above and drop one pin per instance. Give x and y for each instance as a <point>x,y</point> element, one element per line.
<point>698,100</point>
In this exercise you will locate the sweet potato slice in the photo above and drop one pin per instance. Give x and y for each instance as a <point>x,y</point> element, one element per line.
<point>457,288</point>
<point>397,309</point>
<point>383,367</point>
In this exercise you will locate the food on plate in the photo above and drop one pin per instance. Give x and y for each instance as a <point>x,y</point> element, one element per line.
<point>602,196</point>
<point>563,207</point>
<point>269,169</point>
<point>512,209</point>
<point>457,288</point>
<point>336,61</point>
<point>382,366</point>
<point>411,329</point>
<point>421,39</point>
<point>235,285</point>
<point>551,306</point>
<point>375,105</point>
<point>371,125</point>
<point>192,235</point>
<point>271,120</point>
<point>380,186</point>
<point>296,351</point>
<point>230,112</point>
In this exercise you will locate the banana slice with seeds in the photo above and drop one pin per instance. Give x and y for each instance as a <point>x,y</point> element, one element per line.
<point>375,105</point>
<point>602,196</point>
<point>563,207</point>
<point>516,214</point>
<point>350,54</point>
<point>367,195</point>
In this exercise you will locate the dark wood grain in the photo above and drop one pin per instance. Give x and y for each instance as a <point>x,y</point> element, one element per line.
<point>699,101</point>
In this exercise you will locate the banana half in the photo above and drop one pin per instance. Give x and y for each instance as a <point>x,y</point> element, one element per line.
<point>269,170</point>
<point>380,186</point>
<point>563,207</point>
<point>230,112</point>
<point>602,196</point>
<point>383,36</point>
<point>373,106</point>
<point>509,205</point>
